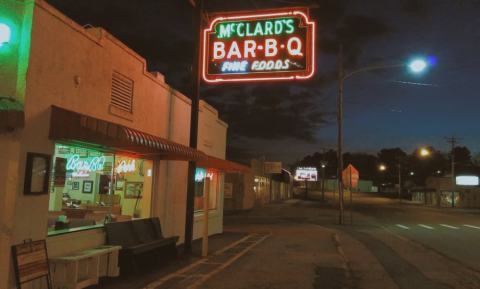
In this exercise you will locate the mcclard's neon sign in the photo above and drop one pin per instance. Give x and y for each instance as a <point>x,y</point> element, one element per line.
<point>259,46</point>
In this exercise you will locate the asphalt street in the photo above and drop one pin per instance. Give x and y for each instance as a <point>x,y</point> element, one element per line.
<point>454,233</point>
<point>298,244</point>
<point>388,245</point>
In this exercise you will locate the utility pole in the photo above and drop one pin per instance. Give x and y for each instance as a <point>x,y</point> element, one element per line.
<point>452,141</point>
<point>341,78</point>
<point>399,180</point>
<point>323,165</point>
<point>351,196</point>
<point>197,28</point>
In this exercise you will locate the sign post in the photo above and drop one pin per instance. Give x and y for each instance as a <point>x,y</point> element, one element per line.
<point>189,215</point>
<point>350,178</point>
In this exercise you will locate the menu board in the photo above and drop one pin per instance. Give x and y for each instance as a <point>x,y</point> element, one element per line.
<point>31,262</point>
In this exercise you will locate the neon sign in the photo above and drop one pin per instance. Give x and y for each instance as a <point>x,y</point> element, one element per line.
<point>201,174</point>
<point>260,46</point>
<point>125,167</point>
<point>82,168</point>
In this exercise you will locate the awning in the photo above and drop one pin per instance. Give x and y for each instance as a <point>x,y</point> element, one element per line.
<point>223,165</point>
<point>67,125</point>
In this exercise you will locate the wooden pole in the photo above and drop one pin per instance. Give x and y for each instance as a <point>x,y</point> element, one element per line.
<point>341,78</point>
<point>190,206</point>
<point>206,200</point>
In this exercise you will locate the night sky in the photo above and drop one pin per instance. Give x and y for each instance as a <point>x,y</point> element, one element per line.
<point>391,108</point>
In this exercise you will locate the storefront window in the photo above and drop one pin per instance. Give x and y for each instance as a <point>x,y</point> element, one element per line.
<point>206,178</point>
<point>133,185</point>
<point>261,188</point>
<point>89,187</point>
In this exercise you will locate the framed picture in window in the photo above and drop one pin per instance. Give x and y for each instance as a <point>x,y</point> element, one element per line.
<point>119,185</point>
<point>37,174</point>
<point>133,190</point>
<point>75,186</point>
<point>87,187</point>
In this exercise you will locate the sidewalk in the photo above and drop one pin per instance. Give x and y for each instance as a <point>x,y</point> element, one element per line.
<point>285,255</point>
<point>216,243</point>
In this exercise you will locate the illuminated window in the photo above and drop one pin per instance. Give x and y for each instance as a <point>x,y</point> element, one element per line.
<point>89,186</point>
<point>201,175</point>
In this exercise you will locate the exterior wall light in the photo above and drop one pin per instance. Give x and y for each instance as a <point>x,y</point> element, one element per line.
<point>5,34</point>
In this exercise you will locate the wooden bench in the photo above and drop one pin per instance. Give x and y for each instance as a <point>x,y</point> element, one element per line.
<point>141,238</point>
<point>83,268</point>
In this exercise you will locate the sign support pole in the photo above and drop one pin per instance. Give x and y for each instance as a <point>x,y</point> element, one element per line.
<point>193,126</point>
<point>206,203</point>
<point>341,78</point>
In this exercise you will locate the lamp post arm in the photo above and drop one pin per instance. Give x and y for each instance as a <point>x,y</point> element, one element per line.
<point>373,67</point>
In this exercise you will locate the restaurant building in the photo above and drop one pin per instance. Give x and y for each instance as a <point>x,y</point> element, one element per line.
<point>88,133</point>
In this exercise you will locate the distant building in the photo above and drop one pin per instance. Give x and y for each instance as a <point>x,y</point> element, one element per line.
<point>267,182</point>
<point>438,192</point>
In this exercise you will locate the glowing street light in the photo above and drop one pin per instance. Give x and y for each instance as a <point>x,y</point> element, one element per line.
<point>382,168</point>
<point>418,65</point>
<point>5,34</point>
<point>412,173</point>
<point>424,152</point>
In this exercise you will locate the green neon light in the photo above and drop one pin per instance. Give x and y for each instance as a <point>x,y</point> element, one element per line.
<point>279,26</point>
<point>15,37</point>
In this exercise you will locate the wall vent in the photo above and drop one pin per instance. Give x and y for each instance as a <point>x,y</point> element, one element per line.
<point>122,92</point>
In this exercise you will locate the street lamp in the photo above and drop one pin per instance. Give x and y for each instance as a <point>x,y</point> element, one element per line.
<point>382,168</point>
<point>323,165</point>
<point>424,152</point>
<point>412,173</point>
<point>416,66</point>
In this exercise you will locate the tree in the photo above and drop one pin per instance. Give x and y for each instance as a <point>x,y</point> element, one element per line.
<point>426,166</point>
<point>462,155</point>
<point>316,159</point>
<point>390,157</point>
<point>366,164</point>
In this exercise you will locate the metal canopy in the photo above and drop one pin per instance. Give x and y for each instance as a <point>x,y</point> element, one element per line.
<point>67,125</point>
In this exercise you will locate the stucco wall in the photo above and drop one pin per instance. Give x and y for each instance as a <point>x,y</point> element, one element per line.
<point>72,67</point>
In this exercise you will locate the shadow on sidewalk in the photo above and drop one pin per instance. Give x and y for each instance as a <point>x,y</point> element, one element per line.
<point>149,275</point>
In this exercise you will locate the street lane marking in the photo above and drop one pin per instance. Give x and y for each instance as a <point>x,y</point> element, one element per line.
<point>426,227</point>
<point>448,226</point>
<point>402,226</point>
<point>470,226</point>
